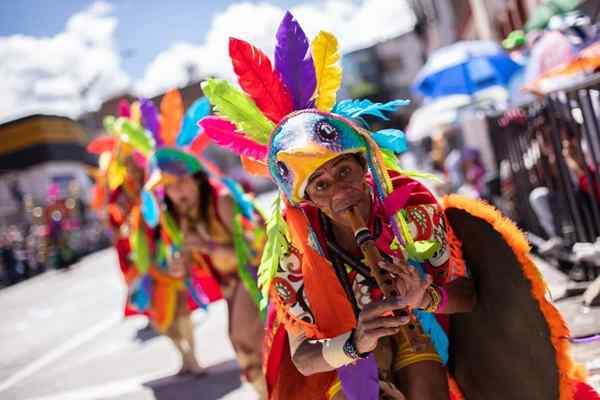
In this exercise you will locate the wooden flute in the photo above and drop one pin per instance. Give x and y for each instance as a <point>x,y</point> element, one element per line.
<point>412,331</point>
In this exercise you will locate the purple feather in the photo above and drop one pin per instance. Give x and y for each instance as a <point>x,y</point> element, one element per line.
<point>360,380</point>
<point>293,61</point>
<point>150,119</point>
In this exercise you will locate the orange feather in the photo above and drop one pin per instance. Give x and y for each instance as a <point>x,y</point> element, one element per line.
<point>259,80</point>
<point>171,114</point>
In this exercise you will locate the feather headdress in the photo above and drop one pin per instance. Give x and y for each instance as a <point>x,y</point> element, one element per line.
<point>284,120</point>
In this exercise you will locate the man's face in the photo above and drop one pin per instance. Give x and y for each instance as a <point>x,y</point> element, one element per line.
<point>184,194</point>
<point>337,186</point>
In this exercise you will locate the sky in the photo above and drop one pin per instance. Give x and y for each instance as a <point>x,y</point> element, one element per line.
<point>67,56</point>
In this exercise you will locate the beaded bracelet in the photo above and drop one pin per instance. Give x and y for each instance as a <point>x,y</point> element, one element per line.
<point>436,299</point>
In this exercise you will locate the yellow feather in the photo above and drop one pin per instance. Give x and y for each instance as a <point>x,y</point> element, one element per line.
<point>326,58</point>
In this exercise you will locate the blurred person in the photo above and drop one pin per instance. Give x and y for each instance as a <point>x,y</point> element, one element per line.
<point>222,241</point>
<point>121,202</point>
<point>9,260</point>
<point>473,172</point>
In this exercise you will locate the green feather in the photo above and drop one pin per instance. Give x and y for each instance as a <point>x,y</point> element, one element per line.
<point>140,250</point>
<point>276,245</point>
<point>238,108</point>
<point>171,228</point>
<point>243,255</point>
<point>390,160</point>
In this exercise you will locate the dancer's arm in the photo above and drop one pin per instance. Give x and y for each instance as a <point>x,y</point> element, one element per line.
<point>311,357</point>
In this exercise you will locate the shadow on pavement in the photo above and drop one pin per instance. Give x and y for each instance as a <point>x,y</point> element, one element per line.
<point>146,333</point>
<point>220,380</point>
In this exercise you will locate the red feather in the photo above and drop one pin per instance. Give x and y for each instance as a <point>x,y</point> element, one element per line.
<point>259,80</point>
<point>199,144</point>
<point>102,144</point>
<point>223,133</point>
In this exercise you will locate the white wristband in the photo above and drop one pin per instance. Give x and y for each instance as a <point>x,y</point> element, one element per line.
<point>333,351</point>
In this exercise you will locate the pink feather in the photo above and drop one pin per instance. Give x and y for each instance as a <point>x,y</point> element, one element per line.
<point>224,134</point>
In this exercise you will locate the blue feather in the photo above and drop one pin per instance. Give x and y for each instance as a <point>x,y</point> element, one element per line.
<point>240,198</point>
<point>391,139</point>
<point>149,208</point>
<point>141,295</point>
<point>430,325</point>
<point>189,128</point>
<point>432,328</point>
<point>356,109</point>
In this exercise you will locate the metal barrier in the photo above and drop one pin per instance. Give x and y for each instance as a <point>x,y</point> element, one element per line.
<point>554,143</point>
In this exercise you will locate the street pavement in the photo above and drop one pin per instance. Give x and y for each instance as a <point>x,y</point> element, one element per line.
<point>62,337</point>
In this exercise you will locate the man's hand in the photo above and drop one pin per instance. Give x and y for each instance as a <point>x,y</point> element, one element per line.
<point>408,283</point>
<point>372,324</point>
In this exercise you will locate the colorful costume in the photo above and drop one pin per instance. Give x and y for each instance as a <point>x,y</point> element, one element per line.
<point>115,196</point>
<point>143,247</point>
<point>233,278</point>
<point>286,124</point>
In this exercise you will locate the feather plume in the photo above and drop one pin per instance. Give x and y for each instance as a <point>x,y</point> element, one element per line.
<point>199,143</point>
<point>255,167</point>
<point>189,128</point>
<point>357,109</point>
<point>238,108</point>
<point>123,108</point>
<point>102,144</point>
<point>150,119</point>
<point>135,113</point>
<point>243,254</point>
<point>391,139</point>
<point>171,114</point>
<point>294,62</point>
<point>135,135</point>
<point>222,132</point>
<point>258,79</point>
<point>274,248</point>
<point>326,57</point>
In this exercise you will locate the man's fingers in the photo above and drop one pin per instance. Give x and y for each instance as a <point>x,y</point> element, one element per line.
<point>427,281</point>
<point>381,332</point>
<point>378,308</point>
<point>383,322</point>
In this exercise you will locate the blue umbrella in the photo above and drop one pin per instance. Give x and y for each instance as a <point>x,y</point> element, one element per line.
<point>465,68</point>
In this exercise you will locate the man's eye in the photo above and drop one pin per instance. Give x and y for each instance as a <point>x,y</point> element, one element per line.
<point>320,186</point>
<point>344,172</point>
